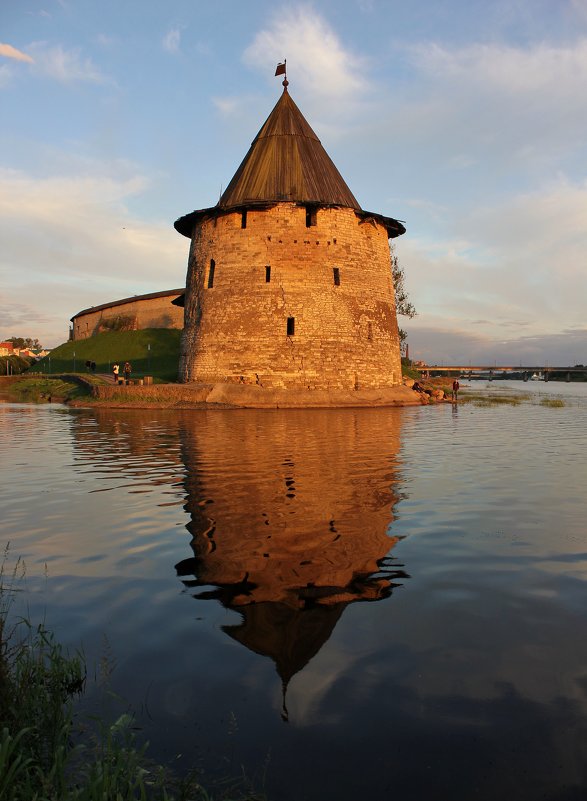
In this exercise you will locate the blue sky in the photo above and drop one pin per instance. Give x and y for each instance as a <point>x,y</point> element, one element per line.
<point>467,120</point>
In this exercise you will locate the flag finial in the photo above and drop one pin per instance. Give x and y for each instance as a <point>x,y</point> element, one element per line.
<point>282,70</point>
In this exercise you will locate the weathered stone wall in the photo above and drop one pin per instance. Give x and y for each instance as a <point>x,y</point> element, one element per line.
<point>345,335</point>
<point>142,311</point>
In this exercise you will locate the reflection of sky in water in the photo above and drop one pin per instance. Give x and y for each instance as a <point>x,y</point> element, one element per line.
<point>469,680</point>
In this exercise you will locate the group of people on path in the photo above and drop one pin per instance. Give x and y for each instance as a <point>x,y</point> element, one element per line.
<point>126,371</point>
<point>455,389</point>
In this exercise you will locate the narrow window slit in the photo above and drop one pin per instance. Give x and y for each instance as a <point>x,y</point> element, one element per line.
<point>291,326</point>
<point>311,216</point>
<point>211,273</point>
<point>243,219</point>
<point>336,274</point>
<point>267,274</point>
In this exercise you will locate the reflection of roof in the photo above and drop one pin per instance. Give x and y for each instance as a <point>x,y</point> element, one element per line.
<point>286,162</point>
<point>150,296</point>
<point>290,637</point>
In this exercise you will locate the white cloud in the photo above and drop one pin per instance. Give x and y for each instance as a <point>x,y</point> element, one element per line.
<point>66,66</point>
<point>229,106</point>
<point>460,345</point>
<point>105,41</point>
<point>580,9</point>
<point>42,13</point>
<point>517,269</point>
<point>72,241</point>
<point>8,51</point>
<point>171,40</point>
<point>318,62</point>
<point>329,78</point>
<point>490,107</point>
<point>19,315</point>
<point>544,68</point>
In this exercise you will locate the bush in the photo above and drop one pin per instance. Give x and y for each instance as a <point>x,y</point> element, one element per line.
<point>43,755</point>
<point>15,365</point>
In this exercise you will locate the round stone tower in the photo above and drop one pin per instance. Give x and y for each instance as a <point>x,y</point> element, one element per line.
<point>289,282</point>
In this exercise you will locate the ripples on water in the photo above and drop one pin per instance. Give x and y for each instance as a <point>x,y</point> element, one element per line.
<point>346,602</point>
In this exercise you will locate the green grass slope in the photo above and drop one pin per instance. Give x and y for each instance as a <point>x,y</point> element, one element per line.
<point>160,360</point>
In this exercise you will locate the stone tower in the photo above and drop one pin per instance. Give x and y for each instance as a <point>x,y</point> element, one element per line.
<point>289,281</point>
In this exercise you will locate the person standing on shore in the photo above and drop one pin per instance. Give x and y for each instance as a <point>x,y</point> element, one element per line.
<point>127,372</point>
<point>455,390</point>
<point>115,371</point>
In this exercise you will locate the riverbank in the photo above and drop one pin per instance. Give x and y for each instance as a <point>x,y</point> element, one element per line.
<point>244,396</point>
<point>95,391</point>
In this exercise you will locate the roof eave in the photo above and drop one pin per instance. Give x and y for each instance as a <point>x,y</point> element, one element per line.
<point>185,225</point>
<point>394,227</point>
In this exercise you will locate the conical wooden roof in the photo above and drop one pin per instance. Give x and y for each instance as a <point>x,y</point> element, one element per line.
<point>287,162</point>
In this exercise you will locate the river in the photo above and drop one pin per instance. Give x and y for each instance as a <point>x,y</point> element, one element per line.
<point>336,603</point>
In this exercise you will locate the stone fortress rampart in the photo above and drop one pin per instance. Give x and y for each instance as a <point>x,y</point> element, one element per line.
<point>155,310</point>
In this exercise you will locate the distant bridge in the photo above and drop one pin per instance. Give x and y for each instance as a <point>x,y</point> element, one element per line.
<point>493,370</point>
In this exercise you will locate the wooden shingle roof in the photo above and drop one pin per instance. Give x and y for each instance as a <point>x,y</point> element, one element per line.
<point>286,161</point>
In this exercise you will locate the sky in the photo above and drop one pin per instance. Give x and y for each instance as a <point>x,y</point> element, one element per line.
<point>466,119</point>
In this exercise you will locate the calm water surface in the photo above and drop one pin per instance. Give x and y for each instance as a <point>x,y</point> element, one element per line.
<point>345,603</point>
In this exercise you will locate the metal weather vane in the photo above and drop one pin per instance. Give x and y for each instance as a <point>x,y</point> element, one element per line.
<point>281,69</point>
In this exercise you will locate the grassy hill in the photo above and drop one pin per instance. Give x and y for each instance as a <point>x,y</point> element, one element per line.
<point>154,351</point>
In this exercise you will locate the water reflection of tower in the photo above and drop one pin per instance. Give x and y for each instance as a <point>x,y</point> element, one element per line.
<point>290,512</point>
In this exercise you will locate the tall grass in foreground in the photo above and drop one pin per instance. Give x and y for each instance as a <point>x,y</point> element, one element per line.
<point>44,755</point>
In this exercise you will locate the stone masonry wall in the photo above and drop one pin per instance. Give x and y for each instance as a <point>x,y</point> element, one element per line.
<point>345,336</point>
<point>136,314</point>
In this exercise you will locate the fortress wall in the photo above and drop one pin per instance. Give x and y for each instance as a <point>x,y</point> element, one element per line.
<point>345,336</point>
<point>132,315</point>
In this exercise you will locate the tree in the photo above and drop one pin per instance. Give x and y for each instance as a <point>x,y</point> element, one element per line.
<point>403,305</point>
<point>25,342</point>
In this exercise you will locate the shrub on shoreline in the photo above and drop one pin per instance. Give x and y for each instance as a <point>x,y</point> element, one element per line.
<point>44,755</point>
